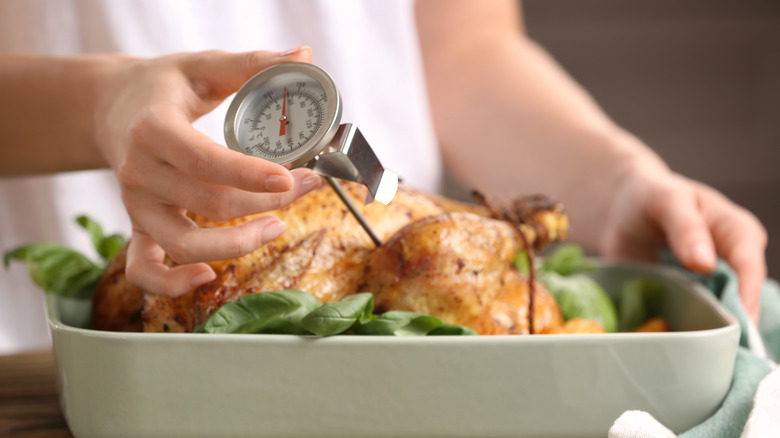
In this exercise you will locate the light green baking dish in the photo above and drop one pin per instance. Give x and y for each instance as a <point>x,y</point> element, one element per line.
<point>198,385</point>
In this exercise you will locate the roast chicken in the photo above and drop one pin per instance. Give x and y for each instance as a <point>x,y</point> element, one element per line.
<point>439,257</point>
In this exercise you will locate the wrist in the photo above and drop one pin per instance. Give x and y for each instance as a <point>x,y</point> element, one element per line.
<point>106,73</point>
<point>594,195</point>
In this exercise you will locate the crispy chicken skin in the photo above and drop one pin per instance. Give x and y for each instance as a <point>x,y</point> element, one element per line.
<point>117,304</point>
<point>458,267</point>
<point>325,252</point>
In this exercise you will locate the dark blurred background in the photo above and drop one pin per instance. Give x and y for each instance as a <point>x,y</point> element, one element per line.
<point>697,80</point>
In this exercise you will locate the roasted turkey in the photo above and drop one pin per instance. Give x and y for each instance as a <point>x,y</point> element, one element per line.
<point>439,257</point>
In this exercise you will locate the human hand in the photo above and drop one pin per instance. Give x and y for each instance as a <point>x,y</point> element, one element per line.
<point>166,167</point>
<point>655,207</point>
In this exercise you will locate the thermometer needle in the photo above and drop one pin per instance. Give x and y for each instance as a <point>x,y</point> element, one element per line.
<point>348,202</point>
<point>283,119</point>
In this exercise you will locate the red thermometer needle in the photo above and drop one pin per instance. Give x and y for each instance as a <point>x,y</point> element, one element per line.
<point>283,119</point>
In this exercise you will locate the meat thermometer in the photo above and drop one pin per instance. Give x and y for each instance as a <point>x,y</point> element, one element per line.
<point>290,114</point>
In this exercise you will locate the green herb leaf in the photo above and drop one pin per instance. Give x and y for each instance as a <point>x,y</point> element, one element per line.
<point>95,232</point>
<point>404,323</point>
<point>387,323</point>
<point>263,312</point>
<point>637,301</point>
<point>107,247</point>
<point>452,330</point>
<point>111,245</point>
<point>567,259</point>
<point>58,270</point>
<point>63,271</point>
<point>579,296</point>
<point>337,317</point>
<point>521,262</point>
<point>420,326</point>
<point>19,253</point>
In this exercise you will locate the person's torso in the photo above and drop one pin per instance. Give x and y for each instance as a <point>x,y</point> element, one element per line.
<point>369,47</point>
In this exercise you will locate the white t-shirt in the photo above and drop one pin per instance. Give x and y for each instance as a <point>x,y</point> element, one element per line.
<point>369,47</point>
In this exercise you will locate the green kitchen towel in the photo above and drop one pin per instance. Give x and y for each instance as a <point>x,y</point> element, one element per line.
<point>749,369</point>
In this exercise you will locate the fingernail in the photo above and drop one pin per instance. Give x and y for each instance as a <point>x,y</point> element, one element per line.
<point>703,255</point>
<point>273,230</point>
<point>278,183</point>
<point>291,51</point>
<point>310,183</point>
<point>202,278</point>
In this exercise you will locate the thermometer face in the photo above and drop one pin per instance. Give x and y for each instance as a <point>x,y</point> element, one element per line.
<point>286,114</point>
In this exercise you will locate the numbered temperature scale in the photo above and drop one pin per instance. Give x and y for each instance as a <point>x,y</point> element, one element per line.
<point>290,114</point>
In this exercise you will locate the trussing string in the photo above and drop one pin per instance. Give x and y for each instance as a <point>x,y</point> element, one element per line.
<point>511,216</point>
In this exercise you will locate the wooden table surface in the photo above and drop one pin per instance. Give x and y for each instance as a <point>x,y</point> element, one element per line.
<point>29,404</point>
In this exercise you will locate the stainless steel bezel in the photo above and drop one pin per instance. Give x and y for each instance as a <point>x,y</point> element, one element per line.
<point>321,138</point>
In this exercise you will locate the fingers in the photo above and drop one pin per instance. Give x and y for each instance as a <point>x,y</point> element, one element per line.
<point>146,269</point>
<point>213,201</point>
<point>195,153</point>
<point>741,240</point>
<point>161,229</point>
<point>751,271</point>
<point>700,224</point>
<point>676,209</point>
<point>188,245</point>
<point>185,243</point>
<point>216,74</point>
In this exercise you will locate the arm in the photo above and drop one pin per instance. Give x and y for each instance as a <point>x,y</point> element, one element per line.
<point>509,120</point>
<point>47,112</point>
<point>135,116</point>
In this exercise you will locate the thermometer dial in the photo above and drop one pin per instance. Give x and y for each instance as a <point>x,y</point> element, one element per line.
<point>285,114</point>
<point>290,114</point>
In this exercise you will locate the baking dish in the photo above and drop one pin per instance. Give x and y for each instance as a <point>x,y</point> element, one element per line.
<point>200,385</point>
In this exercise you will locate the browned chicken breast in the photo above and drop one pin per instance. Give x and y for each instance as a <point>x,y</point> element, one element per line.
<point>325,252</point>
<point>458,267</point>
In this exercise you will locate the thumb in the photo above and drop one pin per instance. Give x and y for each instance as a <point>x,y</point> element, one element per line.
<point>217,74</point>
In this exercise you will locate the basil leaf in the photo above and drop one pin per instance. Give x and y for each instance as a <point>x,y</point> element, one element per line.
<point>420,326</point>
<point>63,271</point>
<point>579,296</point>
<point>432,326</point>
<point>452,330</point>
<point>111,245</point>
<point>387,323</point>
<point>637,301</point>
<point>19,253</point>
<point>405,323</point>
<point>263,312</point>
<point>58,270</point>
<point>107,247</point>
<point>337,317</point>
<point>567,259</point>
<point>521,263</point>
<point>94,230</point>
